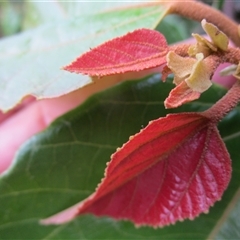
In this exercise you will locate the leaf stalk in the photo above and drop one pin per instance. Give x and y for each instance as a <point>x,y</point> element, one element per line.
<point>198,11</point>
<point>221,108</point>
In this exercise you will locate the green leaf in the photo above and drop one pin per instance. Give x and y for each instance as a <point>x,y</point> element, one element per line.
<point>175,28</point>
<point>64,164</point>
<point>218,4</point>
<point>228,226</point>
<point>11,14</point>
<point>41,12</point>
<point>30,62</point>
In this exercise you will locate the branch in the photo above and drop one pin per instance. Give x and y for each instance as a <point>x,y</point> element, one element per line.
<point>198,11</point>
<point>219,110</point>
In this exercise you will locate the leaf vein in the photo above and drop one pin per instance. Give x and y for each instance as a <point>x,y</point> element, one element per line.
<point>40,190</point>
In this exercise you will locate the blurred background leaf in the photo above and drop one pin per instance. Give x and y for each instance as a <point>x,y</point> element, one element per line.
<point>38,12</point>
<point>228,226</point>
<point>30,62</point>
<point>11,17</point>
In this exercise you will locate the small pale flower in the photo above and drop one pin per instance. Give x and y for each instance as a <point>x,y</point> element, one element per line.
<point>229,70</point>
<point>199,79</point>
<point>202,46</point>
<point>237,72</point>
<point>191,75</point>
<point>180,66</point>
<point>218,41</point>
<point>193,71</point>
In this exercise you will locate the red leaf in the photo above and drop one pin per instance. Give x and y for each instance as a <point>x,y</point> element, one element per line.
<point>181,94</point>
<point>135,51</point>
<point>175,168</point>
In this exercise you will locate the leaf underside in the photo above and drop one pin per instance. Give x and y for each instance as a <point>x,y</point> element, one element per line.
<point>176,168</point>
<point>135,51</point>
<point>30,62</point>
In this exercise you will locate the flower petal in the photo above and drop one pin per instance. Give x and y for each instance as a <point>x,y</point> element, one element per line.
<point>199,80</point>
<point>180,66</point>
<point>219,38</point>
<point>237,72</point>
<point>202,46</point>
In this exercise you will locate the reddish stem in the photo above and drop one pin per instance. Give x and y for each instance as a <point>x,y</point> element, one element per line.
<point>219,110</point>
<point>232,55</point>
<point>198,11</point>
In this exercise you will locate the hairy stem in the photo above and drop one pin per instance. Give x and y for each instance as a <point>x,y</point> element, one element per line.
<point>232,55</point>
<point>198,11</point>
<point>219,110</point>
